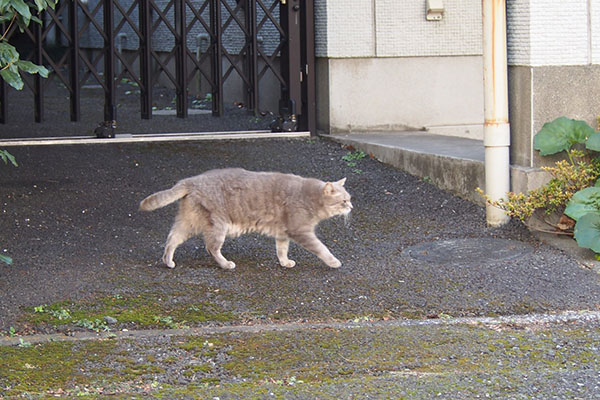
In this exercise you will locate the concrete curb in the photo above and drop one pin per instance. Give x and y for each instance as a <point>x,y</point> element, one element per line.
<point>522,321</point>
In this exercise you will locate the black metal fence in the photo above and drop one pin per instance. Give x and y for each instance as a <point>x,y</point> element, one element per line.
<point>82,42</point>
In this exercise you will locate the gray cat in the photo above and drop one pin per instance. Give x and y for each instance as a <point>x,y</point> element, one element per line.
<point>230,202</point>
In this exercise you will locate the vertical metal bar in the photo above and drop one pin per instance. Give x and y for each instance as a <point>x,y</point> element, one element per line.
<point>75,89</point>
<point>217,58</point>
<point>3,105</point>
<point>251,60</point>
<point>38,87</point>
<point>110,109</point>
<point>145,59</point>
<point>180,59</point>
<point>308,118</point>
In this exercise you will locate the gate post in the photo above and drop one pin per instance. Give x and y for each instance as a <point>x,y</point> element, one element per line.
<point>180,59</point>
<point>252,57</point>
<point>74,96</point>
<point>217,57</point>
<point>110,110</point>
<point>38,87</point>
<point>291,101</point>
<point>308,117</point>
<point>3,105</point>
<point>145,59</point>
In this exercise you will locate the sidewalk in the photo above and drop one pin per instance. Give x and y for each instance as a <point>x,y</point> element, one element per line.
<point>412,252</point>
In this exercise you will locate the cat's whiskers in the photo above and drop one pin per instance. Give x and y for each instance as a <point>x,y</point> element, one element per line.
<point>347,218</point>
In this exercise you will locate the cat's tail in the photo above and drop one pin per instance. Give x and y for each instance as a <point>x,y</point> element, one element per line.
<point>163,198</point>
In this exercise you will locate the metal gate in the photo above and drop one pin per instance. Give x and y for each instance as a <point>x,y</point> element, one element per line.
<point>180,42</point>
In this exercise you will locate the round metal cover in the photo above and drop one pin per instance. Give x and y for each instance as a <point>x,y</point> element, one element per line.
<point>465,251</point>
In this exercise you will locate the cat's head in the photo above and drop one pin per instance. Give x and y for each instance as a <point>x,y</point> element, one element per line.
<point>336,199</point>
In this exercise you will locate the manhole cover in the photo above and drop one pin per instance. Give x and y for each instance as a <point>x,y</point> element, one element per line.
<point>466,251</point>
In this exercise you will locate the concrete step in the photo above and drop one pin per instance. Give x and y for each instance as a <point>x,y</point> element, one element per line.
<point>454,164</point>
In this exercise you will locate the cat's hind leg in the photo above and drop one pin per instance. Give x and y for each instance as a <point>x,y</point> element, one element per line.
<point>180,232</point>
<point>213,239</point>
<point>282,246</point>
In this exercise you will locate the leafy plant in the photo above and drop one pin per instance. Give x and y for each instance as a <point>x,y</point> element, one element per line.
<point>169,322</point>
<point>567,179</point>
<point>561,135</point>
<point>95,325</point>
<point>574,187</point>
<point>19,13</point>
<point>353,158</point>
<point>584,207</point>
<point>6,157</point>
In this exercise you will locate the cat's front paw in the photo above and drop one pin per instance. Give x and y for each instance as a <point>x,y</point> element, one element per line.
<point>288,263</point>
<point>334,263</point>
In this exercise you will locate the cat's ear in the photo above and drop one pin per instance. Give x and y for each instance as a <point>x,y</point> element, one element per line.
<point>341,182</point>
<point>328,189</point>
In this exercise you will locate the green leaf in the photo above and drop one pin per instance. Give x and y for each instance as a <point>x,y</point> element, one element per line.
<point>583,202</point>
<point>8,54</point>
<point>6,259</point>
<point>561,134</point>
<point>32,68</point>
<point>41,5</point>
<point>587,231</point>
<point>12,78</point>
<point>21,8</point>
<point>593,142</point>
<point>6,157</point>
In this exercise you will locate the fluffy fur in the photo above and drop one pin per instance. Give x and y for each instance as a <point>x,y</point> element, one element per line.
<point>230,202</point>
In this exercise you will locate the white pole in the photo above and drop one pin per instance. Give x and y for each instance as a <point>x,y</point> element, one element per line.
<point>496,130</point>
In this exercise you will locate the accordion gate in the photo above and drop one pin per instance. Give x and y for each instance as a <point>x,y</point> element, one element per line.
<point>290,58</point>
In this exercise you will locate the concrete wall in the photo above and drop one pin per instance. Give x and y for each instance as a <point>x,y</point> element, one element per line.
<point>554,57</point>
<point>542,94</point>
<point>443,95</point>
<point>382,65</point>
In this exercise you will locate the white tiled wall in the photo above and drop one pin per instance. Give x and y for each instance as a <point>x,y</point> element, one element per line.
<point>595,34</point>
<point>396,28</point>
<point>553,32</point>
<point>540,32</point>
<point>402,29</point>
<point>349,28</point>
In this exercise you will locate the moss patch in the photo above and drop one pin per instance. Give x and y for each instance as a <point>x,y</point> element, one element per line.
<point>446,359</point>
<point>143,311</point>
<point>50,366</point>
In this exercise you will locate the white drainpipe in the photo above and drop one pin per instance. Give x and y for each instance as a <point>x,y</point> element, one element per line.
<point>496,130</point>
